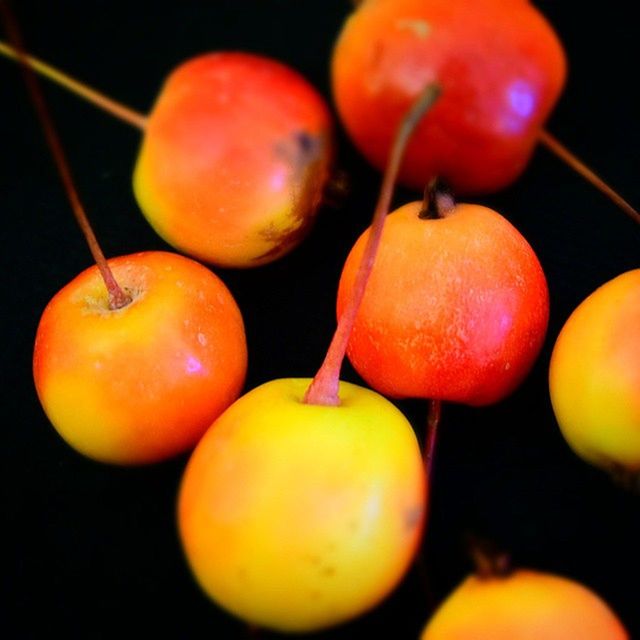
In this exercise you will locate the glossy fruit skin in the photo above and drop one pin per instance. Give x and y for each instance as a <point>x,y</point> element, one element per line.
<point>234,160</point>
<point>526,605</point>
<point>297,517</point>
<point>455,308</point>
<point>594,376</point>
<point>501,68</point>
<point>142,383</point>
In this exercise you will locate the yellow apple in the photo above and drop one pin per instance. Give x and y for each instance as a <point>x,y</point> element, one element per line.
<point>594,376</point>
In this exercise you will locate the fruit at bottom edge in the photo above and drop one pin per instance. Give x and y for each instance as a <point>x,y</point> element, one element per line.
<point>297,517</point>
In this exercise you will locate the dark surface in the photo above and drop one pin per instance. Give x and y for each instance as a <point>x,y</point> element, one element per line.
<point>92,550</point>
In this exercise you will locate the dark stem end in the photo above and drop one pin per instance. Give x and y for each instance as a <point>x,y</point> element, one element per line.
<point>438,201</point>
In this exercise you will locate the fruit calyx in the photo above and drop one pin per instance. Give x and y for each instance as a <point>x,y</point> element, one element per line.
<point>626,478</point>
<point>438,201</point>
<point>489,561</point>
<point>323,389</point>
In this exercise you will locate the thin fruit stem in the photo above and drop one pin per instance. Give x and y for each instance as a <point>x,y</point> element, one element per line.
<point>117,297</point>
<point>437,202</point>
<point>324,387</point>
<point>433,421</point>
<point>488,560</point>
<point>96,98</point>
<point>557,148</point>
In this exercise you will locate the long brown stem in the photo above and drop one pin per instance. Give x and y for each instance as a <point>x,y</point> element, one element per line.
<point>96,98</point>
<point>117,297</point>
<point>324,387</point>
<point>557,148</point>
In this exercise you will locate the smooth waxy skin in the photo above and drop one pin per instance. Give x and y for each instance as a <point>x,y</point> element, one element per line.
<point>234,160</point>
<point>501,68</point>
<point>455,308</point>
<point>526,605</point>
<point>141,383</point>
<point>297,517</point>
<point>594,376</point>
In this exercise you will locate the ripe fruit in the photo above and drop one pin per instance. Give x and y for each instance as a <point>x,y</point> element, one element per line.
<point>304,504</point>
<point>525,605</point>
<point>456,307</point>
<point>234,160</point>
<point>594,376</point>
<point>140,383</point>
<point>296,516</point>
<point>501,68</point>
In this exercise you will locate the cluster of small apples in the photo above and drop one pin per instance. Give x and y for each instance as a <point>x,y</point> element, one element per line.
<point>319,507</point>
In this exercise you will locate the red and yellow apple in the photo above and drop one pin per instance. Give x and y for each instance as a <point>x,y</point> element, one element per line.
<point>594,376</point>
<point>141,383</point>
<point>455,309</point>
<point>297,517</point>
<point>234,160</point>
<point>525,605</point>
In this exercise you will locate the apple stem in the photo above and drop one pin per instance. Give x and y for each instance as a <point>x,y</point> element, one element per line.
<point>324,387</point>
<point>116,109</point>
<point>489,561</point>
<point>433,421</point>
<point>117,297</point>
<point>438,201</point>
<point>557,148</point>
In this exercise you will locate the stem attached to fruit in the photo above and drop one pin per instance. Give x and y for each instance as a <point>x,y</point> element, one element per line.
<point>96,98</point>
<point>324,387</point>
<point>489,561</point>
<point>438,201</point>
<point>117,297</point>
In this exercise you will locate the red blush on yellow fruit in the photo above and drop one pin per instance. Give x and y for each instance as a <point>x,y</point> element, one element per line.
<point>594,376</point>
<point>234,160</point>
<point>141,383</point>
<point>456,307</point>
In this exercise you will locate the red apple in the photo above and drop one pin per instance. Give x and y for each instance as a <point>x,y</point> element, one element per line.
<point>456,307</point>
<point>235,158</point>
<point>501,68</point>
<point>140,383</point>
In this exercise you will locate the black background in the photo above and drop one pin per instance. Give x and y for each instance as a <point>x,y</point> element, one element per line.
<point>93,550</point>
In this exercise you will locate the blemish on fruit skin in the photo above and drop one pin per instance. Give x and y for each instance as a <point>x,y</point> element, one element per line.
<point>304,154</point>
<point>413,517</point>
<point>202,339</point>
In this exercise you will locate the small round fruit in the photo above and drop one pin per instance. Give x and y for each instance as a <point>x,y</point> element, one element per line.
<point>297,517</point>
<point>594,376</point>
<point>456,308</point>
<point>141,383</point>
<point>234,159</point>
<point>525,605</point>
<point>501,69</point>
